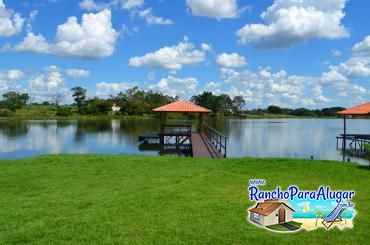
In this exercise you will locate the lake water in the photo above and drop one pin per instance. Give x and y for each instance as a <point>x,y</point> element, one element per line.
<point>292,138</point>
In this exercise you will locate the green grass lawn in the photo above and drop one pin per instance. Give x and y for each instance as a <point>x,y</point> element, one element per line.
<point>136,199</point>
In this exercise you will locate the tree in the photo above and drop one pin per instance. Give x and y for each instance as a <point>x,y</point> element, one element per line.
<point>64,112</point>
<point>331,112</point>
<point>57,98</point>
<point>79,95</point>
<point>238,104</point>
<point>224,103</point>
<point>97,106</point>
<point>303,112</point>
<point>207,100</point>
<point>138,102</point>
<point>31,99</point>
<point>13,100</point>
<point>274,109</point>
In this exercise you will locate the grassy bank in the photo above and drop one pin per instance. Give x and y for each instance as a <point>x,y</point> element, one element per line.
<point>133,199</point>
<point>49,112</point>
<point>267,115</point>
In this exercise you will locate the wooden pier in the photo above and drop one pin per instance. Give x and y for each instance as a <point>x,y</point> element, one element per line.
<point>356,141</point>
<point>202,147</point>
<point>207,143</point>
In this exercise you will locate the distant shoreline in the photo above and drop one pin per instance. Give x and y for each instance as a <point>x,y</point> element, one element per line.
<point>124,117</point>
<point>50,113</point>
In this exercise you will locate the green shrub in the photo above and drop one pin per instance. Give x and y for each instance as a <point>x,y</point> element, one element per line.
<point>4,112</point>
<point>64,112</point>
<point>96,106</point>
<point>367,148</point>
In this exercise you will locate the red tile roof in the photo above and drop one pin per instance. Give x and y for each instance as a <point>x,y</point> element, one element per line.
<point>182,106</point>
<point>266,208</point>
<point>357,110</point>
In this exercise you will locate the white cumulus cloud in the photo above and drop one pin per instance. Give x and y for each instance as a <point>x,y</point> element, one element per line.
<point>78,73</point>
<point>33,43</point>
<point>152,19</point>
<point>171,58</point>
<point>10,23</point>
<point>287,22</point>
<point>9,79</point>
<point>105,89</point>
<point>357,66</point>
<point>219,9</point>
<point>362,48</point>
<point>174,86</point>
<point>91,5</point>
<point>50,81</point>
<point>264,87</point>
<point>15,75</point>
<point>213,87</point>
<point>93,38</point>
<point>232,60</point>
<point>131,4</point>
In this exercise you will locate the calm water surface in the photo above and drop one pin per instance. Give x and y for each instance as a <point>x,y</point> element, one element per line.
<point>292,138</point>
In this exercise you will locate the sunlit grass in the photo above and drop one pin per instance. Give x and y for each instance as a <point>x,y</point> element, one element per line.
<point>134,199</point>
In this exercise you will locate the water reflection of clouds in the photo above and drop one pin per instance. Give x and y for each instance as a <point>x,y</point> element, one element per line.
<point>46,138</point>
<point>7,144</point>
<point>295,138</point>
<point>111,138</point>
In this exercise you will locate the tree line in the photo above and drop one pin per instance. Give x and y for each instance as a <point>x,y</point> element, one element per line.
<point>135,101</point>
<point>299,112</point>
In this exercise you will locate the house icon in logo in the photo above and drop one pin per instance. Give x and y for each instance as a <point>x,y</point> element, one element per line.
<point>271,212</point>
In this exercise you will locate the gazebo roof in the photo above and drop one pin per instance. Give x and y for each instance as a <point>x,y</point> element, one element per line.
<point>357,110</point>
<point>182,106</point>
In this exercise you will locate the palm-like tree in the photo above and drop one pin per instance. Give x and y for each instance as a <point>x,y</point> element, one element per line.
<point>319,214</point>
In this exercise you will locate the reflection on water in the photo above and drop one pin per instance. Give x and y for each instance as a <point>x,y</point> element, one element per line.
<point>20,139</point>
<point>293,138</point>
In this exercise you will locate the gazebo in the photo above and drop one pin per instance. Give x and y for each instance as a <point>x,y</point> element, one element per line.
<point>204,142</point>
<point>361,110</point>
<point>181,106</point>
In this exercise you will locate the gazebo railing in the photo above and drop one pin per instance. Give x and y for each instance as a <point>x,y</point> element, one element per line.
<point>179,129</point>
<point>218,139</point>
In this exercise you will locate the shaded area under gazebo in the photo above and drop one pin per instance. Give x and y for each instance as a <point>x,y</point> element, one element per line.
<point>203,141</point>
<point>357,141</point>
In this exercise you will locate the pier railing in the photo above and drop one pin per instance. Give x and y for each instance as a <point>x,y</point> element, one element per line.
<point>218,140</point>
<point>177,130</point>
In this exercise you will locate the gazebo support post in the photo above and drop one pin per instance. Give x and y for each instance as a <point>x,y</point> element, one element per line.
<point>344,133</point>
<point>162,122</point>
<point>200,122</point>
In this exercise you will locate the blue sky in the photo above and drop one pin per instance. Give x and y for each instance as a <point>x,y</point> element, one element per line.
<point>290,53</point>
